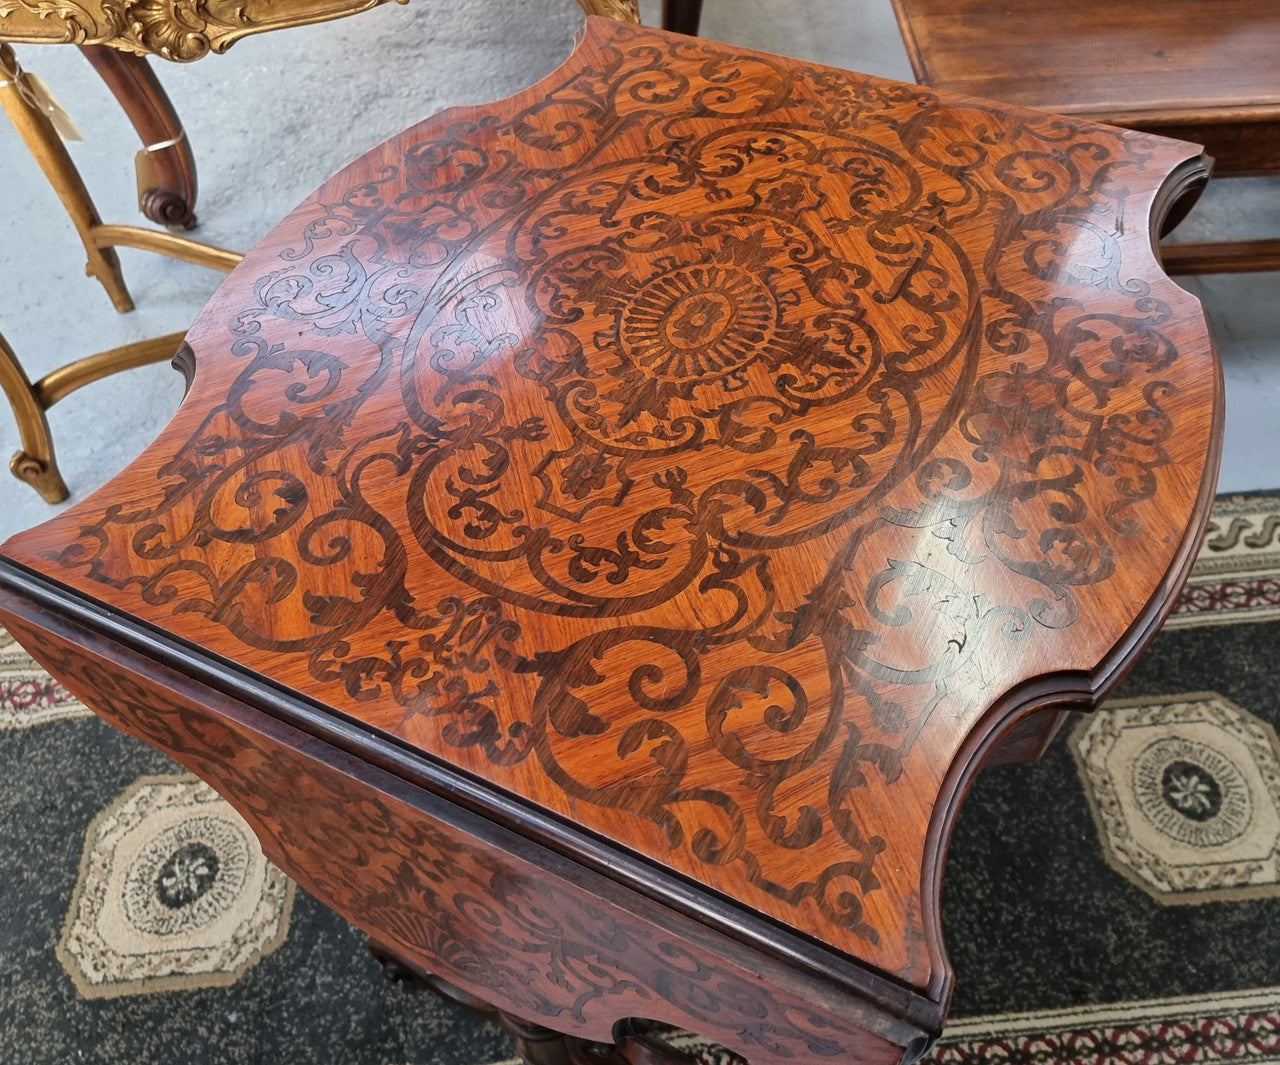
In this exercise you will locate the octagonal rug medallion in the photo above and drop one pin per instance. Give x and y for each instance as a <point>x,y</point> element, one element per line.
<point>173,892</point>
<point>1185,791</point>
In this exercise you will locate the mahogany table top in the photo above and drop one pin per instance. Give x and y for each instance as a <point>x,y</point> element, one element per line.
<point>707,451</point>
<point>1202,71</point>
<point>1097,57</point>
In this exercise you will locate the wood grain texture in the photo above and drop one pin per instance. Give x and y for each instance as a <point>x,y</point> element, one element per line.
<point>713,450</point>
<point>1203,72</point>
<point>516,926</point>
<point>1212,257</point>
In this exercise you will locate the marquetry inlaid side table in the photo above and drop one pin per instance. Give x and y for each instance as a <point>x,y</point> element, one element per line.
<point>607,529</point>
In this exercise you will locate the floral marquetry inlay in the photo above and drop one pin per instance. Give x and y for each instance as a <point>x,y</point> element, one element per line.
<point>704,447</point>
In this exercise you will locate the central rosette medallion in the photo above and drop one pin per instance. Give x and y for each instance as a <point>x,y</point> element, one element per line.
<point>698,322</point>
<point>605,359</point>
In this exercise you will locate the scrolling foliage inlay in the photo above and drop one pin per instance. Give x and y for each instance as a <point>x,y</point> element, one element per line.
<point>532,943</point>
<point>696,444</point>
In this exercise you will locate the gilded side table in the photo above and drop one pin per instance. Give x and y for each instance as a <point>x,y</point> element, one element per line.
<point>607,529</point>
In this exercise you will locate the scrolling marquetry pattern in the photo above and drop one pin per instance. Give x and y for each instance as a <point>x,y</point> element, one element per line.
<point>664,445</point>
<point>505,929</point>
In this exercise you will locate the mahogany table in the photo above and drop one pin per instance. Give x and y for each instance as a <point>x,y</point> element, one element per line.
<point>607,529</point>
<point>1205,72</point>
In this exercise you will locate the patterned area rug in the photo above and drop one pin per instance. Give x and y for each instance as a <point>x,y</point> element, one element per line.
<point>1116,901</point>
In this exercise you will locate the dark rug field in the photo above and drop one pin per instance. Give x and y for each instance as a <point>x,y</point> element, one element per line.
<point>1117,901</point>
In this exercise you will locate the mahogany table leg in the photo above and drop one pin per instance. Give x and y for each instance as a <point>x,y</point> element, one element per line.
<point>172,200</point>
<point>682,16</point>
<point>642,1045</point>
<point>536,1044</point>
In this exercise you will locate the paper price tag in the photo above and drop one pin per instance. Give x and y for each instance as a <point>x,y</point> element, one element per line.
<point>145,171</point>
<point>51,109</point>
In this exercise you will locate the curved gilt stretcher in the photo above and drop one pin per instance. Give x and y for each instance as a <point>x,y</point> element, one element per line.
<point>608,528</point>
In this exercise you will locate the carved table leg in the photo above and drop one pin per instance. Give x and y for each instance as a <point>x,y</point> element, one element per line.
<point>638,1043</point>
<point>46,146</point>
<point>641,1043</point>
<point>172,200</point>
<point>682,16</point>
<point>34,463</point>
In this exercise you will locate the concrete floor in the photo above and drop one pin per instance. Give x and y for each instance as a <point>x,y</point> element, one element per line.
<point>279,113</point>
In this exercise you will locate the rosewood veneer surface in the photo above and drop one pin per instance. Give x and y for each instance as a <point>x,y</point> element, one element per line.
<point>607,528</point>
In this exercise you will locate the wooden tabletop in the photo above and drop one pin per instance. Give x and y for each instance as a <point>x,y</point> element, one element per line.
<point>1205,71</point>
<point>1097,57</point>
<point>709,450</point>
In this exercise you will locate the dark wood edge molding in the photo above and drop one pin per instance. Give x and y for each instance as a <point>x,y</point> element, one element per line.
<point>899,1013</point>
<point>1220,257</point>
<point>1177,196</point>
<point>1121,114</point>
<point>184,361</point>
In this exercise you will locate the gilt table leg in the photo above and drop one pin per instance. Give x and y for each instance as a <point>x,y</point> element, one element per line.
<point>46,146</point>
<point>172,200</point>
<point>34,462</point>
